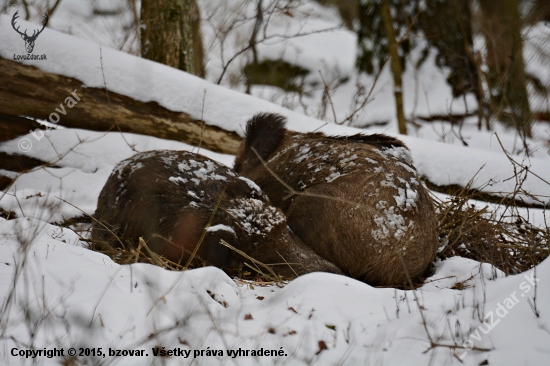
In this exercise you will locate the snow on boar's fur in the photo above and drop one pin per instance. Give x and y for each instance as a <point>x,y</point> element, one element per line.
<point>168,198</point>
<point>360,202</point>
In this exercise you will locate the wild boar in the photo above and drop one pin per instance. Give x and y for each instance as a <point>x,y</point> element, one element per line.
<point>173,198</point>
<point>357,201</point>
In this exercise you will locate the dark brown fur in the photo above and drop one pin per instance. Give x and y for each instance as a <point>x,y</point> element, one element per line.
<point>378,214</point>
<point>168,197</point>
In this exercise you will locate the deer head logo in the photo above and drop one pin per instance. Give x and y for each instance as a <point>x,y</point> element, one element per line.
<point>29,40</point>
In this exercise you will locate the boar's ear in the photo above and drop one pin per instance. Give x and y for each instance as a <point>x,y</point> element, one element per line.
<point>264,133</point>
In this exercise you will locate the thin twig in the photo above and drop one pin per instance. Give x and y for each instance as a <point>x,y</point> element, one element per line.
<point>327,93</point>
<point>203,124</point>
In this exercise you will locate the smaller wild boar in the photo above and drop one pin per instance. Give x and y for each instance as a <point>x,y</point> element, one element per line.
<point>357,201</point>
<point>170,197</point>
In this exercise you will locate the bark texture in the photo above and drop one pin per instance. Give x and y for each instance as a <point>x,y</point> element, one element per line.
<point>170,34</point>
<point>395,62</point>
<point>28,91</point>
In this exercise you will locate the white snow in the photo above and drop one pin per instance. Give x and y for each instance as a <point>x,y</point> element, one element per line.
<point>333,177</point>
<point>177,180</point>
<point>254,217</point>
<point>220,227</point>
<point>251,184</point>
<point>55,293</point>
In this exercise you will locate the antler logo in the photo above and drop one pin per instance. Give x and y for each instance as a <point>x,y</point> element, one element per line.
<point>29,40</point>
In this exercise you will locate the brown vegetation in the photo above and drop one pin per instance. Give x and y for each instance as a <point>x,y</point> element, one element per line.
<point>505,240</point>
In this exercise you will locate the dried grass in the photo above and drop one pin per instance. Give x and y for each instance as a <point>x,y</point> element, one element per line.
<point>141,254</point>
<point>254,271</point>
<point>505,240</point>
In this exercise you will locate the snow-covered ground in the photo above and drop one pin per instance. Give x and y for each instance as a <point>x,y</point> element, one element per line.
<point>58,294</point>
<point>68,296</point>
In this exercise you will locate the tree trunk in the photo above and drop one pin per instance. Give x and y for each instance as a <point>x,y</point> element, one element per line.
<point>252,41</point>
<point>501,25</point>
<point>28,91</point>
<point>395,62</point>
<point>170,34</point>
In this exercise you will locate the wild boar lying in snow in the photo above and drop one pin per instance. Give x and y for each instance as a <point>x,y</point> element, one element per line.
<point>170,197</point>
<point>357,202</point>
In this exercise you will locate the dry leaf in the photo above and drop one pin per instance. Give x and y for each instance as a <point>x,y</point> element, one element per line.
<point>322,347</point>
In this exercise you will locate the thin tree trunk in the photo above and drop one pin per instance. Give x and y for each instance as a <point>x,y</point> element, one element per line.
<point>395,63</point>
<point>502,29</point>
<point>252,41</point>
<point>475,60</point>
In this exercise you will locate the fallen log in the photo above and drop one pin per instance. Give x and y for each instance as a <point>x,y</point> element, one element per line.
<point>28,91</point>
<point>15,126</point>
